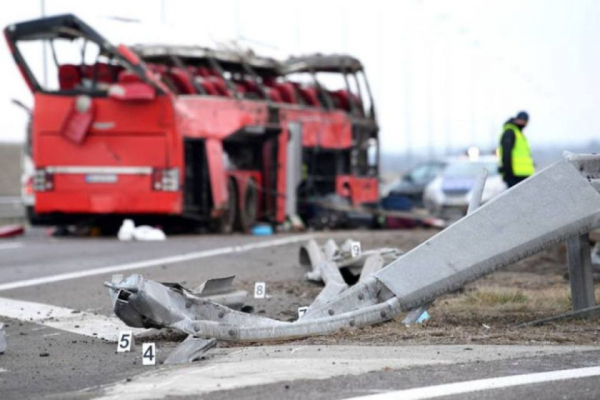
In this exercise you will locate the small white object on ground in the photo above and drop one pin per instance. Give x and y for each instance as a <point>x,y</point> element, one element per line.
<point>148,233</point>
<point>129,231</point>
<point>126,230</point>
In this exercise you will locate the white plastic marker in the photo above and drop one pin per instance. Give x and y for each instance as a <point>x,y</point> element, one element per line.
<point>355,250</point>
<point>149,354</point>
<point>260,289</point>
<point>302,311</point>
<point>125,341</point>
<point>158,261</point>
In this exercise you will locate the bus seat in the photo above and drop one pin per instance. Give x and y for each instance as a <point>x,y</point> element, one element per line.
<point>181,80</point>
<point>341,99</point>
<point>69,76</point>
<point>287,92</point>
<point>274,95</point>
<point>220,86</point>
<point>309,95</point>
<point>129,77</point>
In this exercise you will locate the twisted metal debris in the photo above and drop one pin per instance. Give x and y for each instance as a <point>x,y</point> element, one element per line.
<point>561,201</point>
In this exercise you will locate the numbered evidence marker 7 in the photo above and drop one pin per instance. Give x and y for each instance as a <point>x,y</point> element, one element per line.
<point>302,311</point>
<point>125,341</point>
<point>259,290</point>
<point>355,249</point>
<point>149,354</point>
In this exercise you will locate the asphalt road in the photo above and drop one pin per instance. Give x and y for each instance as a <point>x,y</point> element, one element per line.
<point>57,315</point>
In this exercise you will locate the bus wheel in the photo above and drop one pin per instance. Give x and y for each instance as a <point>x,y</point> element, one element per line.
<point>226,222</point>
<point>246,217</point>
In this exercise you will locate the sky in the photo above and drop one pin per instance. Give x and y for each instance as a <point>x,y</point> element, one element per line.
<point>444,73</point>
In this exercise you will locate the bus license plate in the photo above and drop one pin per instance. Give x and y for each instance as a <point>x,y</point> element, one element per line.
<point>101,178</point>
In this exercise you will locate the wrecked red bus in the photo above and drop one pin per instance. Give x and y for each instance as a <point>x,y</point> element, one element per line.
<point>222,138</point>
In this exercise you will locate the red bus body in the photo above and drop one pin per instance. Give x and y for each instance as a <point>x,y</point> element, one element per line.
<point>142,143</point>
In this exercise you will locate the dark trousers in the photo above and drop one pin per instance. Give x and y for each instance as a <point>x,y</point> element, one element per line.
<point>513,180</point>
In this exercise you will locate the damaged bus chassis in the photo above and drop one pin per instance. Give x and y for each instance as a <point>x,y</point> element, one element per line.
<point>556,204</point>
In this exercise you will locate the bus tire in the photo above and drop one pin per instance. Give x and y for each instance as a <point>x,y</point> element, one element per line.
<point>246,216</point>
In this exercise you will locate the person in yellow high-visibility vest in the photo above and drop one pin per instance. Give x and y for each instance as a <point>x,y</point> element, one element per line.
<point>514,154</point>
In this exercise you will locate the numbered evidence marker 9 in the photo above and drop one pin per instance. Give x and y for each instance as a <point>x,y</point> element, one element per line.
<point>149,354</point>
<point>355,249</point>
<point>302,311</point>
<point>125,341</point>
<point>260,289</point>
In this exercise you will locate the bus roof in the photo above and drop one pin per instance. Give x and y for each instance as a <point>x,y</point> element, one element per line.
<point>322,63</point>
<point>157,51</point>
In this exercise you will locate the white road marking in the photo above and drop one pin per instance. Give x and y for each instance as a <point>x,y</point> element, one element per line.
<point>155,262</point>
<point>81,323</point>
<point>10,200</point>
<point>431,392</point>
<point>9,246</point>
<point>228,369</point>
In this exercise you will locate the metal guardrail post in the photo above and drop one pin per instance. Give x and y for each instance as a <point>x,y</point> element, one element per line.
<point>580,272</point>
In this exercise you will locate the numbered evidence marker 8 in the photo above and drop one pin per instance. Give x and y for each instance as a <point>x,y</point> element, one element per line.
<point>149,354</point>
<point>302,311</point>
<point>260,289</point>
<point>125,341</point>
<point>355,249</point>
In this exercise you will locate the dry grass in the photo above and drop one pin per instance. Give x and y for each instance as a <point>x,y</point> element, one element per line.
<point>487,299</point>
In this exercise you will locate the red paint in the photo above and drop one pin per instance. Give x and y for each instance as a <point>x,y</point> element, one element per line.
<point>8,231</point>
<point>76,123</point>
<point>359,190</point>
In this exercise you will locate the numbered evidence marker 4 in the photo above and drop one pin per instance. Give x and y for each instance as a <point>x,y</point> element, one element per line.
<point>125,341</point>
<point>260,289</point>
<point>149,354</point>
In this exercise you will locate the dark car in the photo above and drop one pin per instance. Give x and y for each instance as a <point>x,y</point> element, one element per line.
<point>412,185</point>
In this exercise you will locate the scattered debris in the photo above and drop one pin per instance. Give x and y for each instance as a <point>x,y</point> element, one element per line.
<point>584,312</point>
<point>220,291</point>
<point>262,230</point>
<point>312,257</point>
<point>190,350</point>
<point>418,315</point>
<point>8,231</point>
<point>129,231</point>
<point>2,339</point>
<point>469,249</point>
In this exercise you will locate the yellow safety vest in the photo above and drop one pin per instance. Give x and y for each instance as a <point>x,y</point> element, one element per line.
<point>522,163</point>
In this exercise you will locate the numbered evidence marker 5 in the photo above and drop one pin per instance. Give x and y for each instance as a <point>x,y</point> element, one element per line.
<point>125,341</point>
<point>149,354</point>
<point>355,249</point>
<point>302,311</point>
<point>260,289</point>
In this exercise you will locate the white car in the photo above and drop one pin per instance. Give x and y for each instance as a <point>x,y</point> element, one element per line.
<point>448,195</point>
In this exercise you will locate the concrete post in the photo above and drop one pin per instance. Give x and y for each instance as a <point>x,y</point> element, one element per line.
<point>580,272</point>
